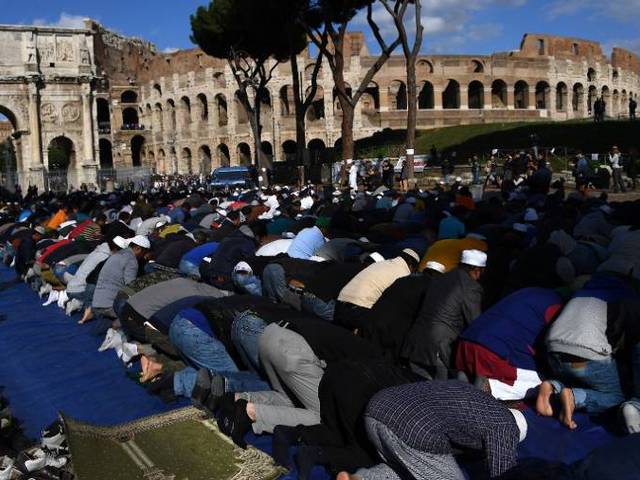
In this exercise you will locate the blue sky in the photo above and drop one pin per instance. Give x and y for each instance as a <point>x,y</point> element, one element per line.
<point>453,26</point>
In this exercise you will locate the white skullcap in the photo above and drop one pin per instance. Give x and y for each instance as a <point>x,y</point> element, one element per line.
<point>127,209</point>
<point>412,254</point>
<point>363,240</point>
<point>141,241</point>
<point>521,421</point>
<point>376,257</point>
<point>120,242</point>
<point>242,267</point>
<point>458,179</point>
<point>475,258</point>
<point>437,266</point>
<point>66,224</point>
<point>531,215</point>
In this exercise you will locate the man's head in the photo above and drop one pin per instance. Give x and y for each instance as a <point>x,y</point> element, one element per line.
<point>411,258</point>
<point>234,217</point>
<point>473,262</point>
<point>140,245</point>
<point>124,217</point>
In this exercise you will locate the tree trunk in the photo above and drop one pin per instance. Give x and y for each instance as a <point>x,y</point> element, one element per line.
<point>412,112</point>
<point>348,147</point>
<point>301,137</point>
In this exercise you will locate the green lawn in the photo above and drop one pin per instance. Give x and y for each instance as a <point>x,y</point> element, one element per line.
<point>482,138</point>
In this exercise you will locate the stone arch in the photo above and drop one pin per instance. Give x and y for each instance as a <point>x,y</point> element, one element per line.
<point>219,80</point>
<point>173,159</point>
<point>130,119</point>
<point>137,142</point>
<point>521,94</point>
<point>61,154</point>
<point>591,75</point>
<point>266,105</point>
<point>244,153</point>
<point>221,110</point>
<point>103,115</point>
<point>308,71</point>
<point>315,112</point>
<point>615,75</point>
<point>397,95</point>
<point>615,107</point>
<point>370,99</point>
<point>159,118</point>
<point>592,97</point>
<point>157,89</point>
<point>477,66</point>
<point>171,115</point>
<point>451,95</point>
<point>10,116</point>
<point>151,159</point>
<point>185,111</point>
<point>186,161</point>
<point>241,112</point>
<point>426,100</point>
<point>204,160</point>
<point>289,149</point>
<point>286,100</point>
<point>499,96</point>
<point>423,67</point>
<point>222,153</point>
<point>266,153</point>
<point>203,107</point>
<point>577,98</point>
<point>562,93</point>
<point>337,108</point>
<point>162,157</point>
<point>542,95</point>
<point>105,153</point>
<point>476,95</point>
<point>316,148</point>
<point>129,96</point>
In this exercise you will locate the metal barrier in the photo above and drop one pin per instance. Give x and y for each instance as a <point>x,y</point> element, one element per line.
<point>135,178</point>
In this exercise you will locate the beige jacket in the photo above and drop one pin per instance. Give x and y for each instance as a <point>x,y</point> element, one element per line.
<point>368,286</point>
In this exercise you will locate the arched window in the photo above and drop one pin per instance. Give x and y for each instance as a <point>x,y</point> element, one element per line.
<point>398,95</point>
<point>476,95</point>
<point>425,97</point>
<point>451,95</point>
<point>521,94</point>
<point>542,95</point>
<point>129,96</point>
<point>499,94</point>
<point>561,97</point>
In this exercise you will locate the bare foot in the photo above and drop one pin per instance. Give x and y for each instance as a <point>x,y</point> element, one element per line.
<point>88,315</point>
<point>346,476</point>
<point>543,403</point>
<point>568,406</point>
<point>150,369</point>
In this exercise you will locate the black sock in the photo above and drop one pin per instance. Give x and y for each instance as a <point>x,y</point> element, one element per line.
<point>241,425</point>
<point>283,438</point>
<point>163,388</point>
<point>307,457</point>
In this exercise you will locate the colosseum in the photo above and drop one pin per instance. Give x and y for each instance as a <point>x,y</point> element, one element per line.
<point>106,102</point>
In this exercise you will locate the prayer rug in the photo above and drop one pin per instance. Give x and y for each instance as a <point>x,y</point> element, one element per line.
<point>177,445</point>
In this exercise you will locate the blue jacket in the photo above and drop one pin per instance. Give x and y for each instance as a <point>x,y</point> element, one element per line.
<point>235,248</point>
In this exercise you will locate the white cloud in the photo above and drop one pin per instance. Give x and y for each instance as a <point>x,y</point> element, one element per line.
<point>624,10</point>
<point>66,20</point>
<point>170,50</point>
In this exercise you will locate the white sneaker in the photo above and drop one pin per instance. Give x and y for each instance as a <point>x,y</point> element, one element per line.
<point>53,297</point>
<point>6,468</point>
<point>129,351</point>
<point>30,273</point>
<point>36,459</point>
<point>54,438</point>
<point>63,298</point>
<point>44,289</point>
<point>113,339</point>
<point>73,305</point>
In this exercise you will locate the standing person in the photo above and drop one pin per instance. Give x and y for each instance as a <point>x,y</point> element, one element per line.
<point>616,164</point>
<point>633,105</point>
<point>475,169</point>
<point>404,176</point>
<point>631,166</point>
<point>387,173</point>
<point>581,171</point>
<point>353,177</point>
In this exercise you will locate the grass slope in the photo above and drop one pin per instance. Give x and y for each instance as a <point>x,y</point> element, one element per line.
<point>482,138</point>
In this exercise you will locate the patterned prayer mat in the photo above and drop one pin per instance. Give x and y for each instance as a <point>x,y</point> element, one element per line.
<point>177,445</point>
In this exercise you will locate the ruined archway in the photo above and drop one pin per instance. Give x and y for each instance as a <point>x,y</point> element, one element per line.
<point>562,93</point>
<point>221,110</point>
<point>451,96</point>
<point>137,143</point>
<point>521,94</point>
<point>244,153</point>
<point>204,160</point>
<point>397,95</point>
<point>476,95</point>
<point>499,98</point>
<point>289,149</point>
<point>542,95</point>
<point>425,96</point>
<point>105,153</point>
<point>186,165</point>
<point>222,153</point>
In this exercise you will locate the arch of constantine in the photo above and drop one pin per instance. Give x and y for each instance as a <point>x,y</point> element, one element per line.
<point>81,100</point>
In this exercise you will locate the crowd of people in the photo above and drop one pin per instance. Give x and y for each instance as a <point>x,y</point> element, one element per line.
<point>386,334</point>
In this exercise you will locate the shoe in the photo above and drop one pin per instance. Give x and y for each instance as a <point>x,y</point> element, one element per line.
<point>163,387</point>
<point>63,298</point>
<point>113,339</point>
<point>53,297</point>
<point>37,458</point>
<point>208,391</point>
<point>73,306</point>
<point>241,424</point>
<point>128,352</point>
<point>44,289</point>
<point>283,438</point>
<point>54,438</point>
<point>6,468</point>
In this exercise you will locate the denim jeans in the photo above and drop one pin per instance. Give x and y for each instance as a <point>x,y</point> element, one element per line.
<point>185,380</point>
<point>189,269</point>
<point>320,308</point>
<point>595,383</point>
<point>274,286</point>
<point>247,283</point>
<point>204,351</point>
<point>246,330</point>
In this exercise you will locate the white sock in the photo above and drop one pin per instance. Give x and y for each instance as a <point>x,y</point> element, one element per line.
<point>631,415</point>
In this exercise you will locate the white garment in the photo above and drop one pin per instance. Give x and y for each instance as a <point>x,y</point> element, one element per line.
<point>274,248</point>
<point>614,160</point>
<point>353,177</point>
<point>526,380</point>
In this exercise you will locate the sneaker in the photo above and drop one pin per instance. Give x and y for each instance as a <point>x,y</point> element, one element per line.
<point>53,297</point>
<point>44,289</point>
<point>36,459</point>
<point>128,352</point>
<point>7,472</point>
<point>73,306</point>
<point>63,298</point>
<point>113,339</point>
<point>54,438</point>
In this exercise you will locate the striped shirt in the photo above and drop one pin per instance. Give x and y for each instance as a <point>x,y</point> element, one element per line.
<point>440,416</point>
